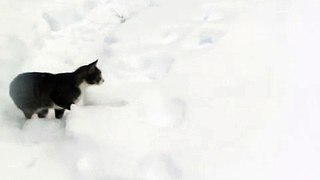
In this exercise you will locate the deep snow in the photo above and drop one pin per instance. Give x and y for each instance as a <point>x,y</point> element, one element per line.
<point>195,89</point>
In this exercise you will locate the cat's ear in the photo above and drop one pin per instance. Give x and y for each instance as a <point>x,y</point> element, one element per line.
<point>92,66</point>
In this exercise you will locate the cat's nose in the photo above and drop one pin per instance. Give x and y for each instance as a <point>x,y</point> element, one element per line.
<point>101,81</point>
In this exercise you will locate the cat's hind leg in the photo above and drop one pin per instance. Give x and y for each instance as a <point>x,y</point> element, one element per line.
<point>58,113</point>
<point>43,113</point>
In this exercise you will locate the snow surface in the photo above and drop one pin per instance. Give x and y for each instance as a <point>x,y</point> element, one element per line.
<point>195,89</point>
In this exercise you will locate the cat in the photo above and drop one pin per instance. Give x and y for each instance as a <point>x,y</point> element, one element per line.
<point>37,92</point>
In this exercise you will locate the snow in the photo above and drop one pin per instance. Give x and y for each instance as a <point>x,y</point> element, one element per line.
<point>194,89</point>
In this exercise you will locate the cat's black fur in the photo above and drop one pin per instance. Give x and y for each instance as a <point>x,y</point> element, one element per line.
<point>35,92</point>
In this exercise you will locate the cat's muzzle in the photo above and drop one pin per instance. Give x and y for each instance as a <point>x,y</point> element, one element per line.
<point>101,81</point>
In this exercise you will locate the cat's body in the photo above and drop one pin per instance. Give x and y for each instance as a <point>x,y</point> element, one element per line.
<point>35,92</point>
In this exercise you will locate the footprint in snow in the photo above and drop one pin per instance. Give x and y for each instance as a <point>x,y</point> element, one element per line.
<point>60,18</point>
<point>143,68</point>
<point>156,67</point>
<point>202,38</point>
<point>217,13</point>
<point>214,21</point>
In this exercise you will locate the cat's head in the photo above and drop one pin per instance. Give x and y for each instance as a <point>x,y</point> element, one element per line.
<point>89,74</point>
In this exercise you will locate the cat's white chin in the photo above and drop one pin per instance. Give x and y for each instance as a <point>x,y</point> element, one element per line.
<point>83,85</point>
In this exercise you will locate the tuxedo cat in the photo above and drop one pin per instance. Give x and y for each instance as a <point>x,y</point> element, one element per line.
<point>35,92</point>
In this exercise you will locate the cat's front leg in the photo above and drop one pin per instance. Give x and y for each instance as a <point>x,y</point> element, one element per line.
<point>43,113</point>
<point>58,113</point>
<point>65,99</point>
<point>62,100</point>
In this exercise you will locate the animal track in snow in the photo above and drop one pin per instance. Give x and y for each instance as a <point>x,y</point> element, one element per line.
<point>214,20</point>
<point>202,38</point>
<point>59,19</point>
<point>143,68</point>
<point>173,33</point>
<point>217,13</point>
<point>110,40</point>
<point>156,67</point>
